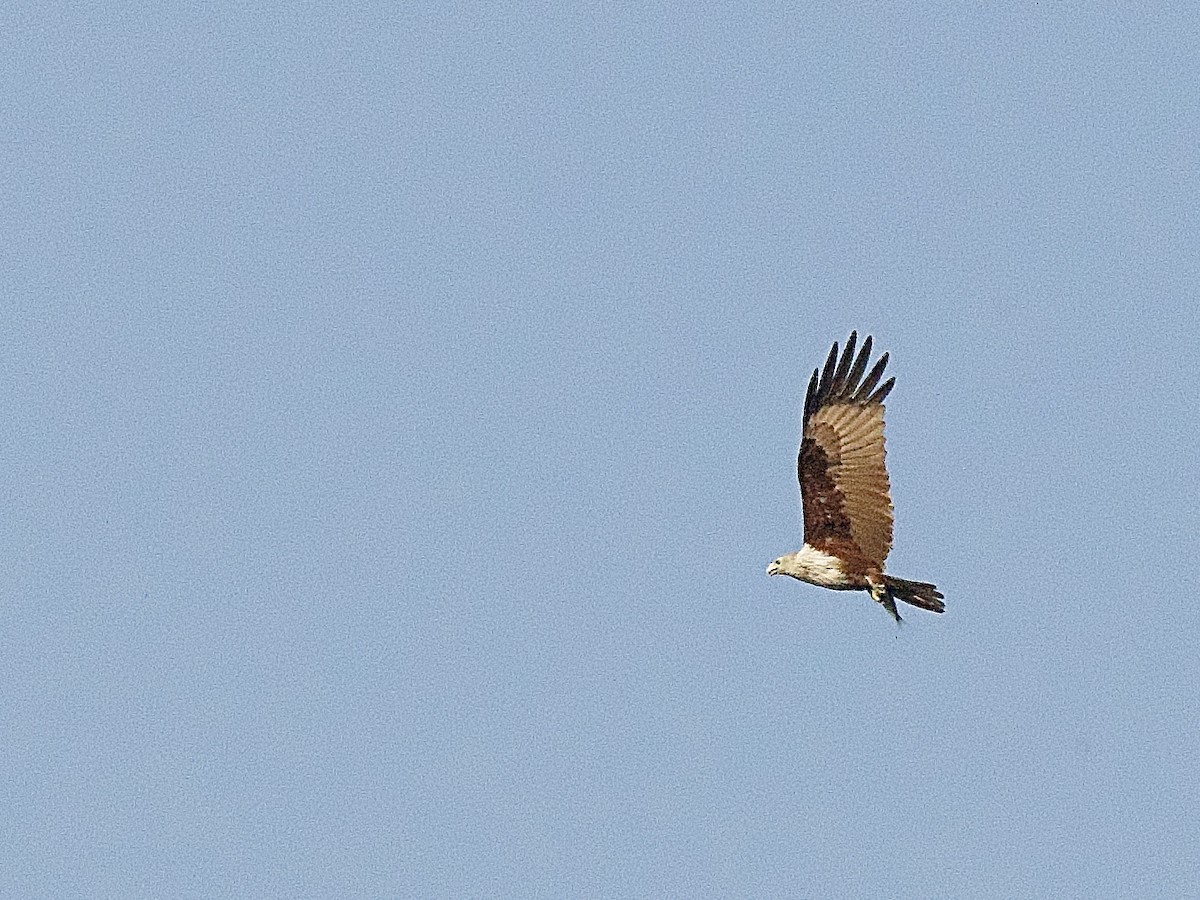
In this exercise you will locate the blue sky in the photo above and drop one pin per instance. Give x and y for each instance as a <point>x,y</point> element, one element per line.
<point>400,412</point>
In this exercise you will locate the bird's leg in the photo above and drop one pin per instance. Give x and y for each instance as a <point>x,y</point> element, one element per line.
<point>881,595</point>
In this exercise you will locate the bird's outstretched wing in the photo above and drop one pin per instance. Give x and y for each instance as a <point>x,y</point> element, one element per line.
<point>843,482</point>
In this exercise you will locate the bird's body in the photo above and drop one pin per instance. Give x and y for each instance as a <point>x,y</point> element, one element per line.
<point>844,486</point>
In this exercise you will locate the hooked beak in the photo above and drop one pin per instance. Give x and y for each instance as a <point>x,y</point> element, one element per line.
<point>773,568</point>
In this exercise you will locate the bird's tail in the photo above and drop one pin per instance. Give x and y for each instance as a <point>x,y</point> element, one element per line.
<point>916,593</point>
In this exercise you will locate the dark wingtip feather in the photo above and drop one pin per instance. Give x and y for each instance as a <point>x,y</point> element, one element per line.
<point>884,389</point>
<point>872,379</point>
<point>843,369</point>
<point>860,366</point>
<point>810,398</point>
<point>827,372</point>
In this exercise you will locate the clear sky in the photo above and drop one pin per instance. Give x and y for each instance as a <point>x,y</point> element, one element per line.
<point>399,413</point>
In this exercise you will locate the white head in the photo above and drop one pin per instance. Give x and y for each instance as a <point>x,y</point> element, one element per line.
<point>811,565</point>
<point>785,565</point>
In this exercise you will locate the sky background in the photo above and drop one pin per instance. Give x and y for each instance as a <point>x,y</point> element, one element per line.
<point>399,413</point>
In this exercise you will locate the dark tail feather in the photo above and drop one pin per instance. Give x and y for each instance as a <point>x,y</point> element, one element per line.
<point>916,593</point>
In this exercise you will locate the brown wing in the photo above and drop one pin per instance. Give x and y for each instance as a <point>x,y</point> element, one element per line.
<point>843,481</point>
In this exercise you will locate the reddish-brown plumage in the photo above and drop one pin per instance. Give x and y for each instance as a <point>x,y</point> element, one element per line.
<point>825,517</point>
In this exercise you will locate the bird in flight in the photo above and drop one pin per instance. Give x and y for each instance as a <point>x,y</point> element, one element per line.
<point>844,486</point>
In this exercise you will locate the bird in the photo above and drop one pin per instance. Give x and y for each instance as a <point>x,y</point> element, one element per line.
<point>844,489</point>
